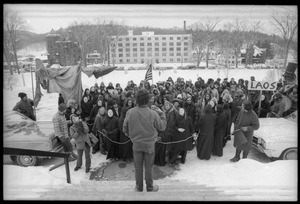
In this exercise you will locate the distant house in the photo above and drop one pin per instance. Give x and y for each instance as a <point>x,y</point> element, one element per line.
<point>227,59</point>
<point>93,58</point>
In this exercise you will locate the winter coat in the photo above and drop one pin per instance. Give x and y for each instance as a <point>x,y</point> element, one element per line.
<point>206,125</point>
<point>265,108</point>
<point>79,132</point>
<point>25,107</point>
<point>112,132</point>
<point>94,112</point>
<point>86,109</point>
<point>191,111</point>
<point>247,119</point>
<point>219,132</point>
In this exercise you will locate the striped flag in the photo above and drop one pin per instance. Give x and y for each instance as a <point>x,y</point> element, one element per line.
<point>148,75</point>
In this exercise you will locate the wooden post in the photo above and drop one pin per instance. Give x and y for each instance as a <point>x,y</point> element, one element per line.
<point>67,170</point>
<point>32,91</point>
<point>259,103</point>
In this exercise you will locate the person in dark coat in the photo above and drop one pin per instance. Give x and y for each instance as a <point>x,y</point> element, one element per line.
<point>162,150</point>
<point>24,106</point>
<point>116,108</point>
<point>191,111</point>
<point>99,126</point>
<point>246,122</point>
<point>125,150</point>
<point>264,107</point>
<point>95,109</point>
<point>227,112</point>
<point>61,99</point>
<point>206,125</point>
<point>86,107</point>
<point>220,131</point>
<point>183,129</point>
<point>111,131</point>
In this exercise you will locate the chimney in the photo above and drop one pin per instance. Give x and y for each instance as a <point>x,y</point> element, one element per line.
<point>184,25</point>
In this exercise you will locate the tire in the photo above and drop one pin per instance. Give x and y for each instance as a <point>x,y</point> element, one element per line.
<point>24,160</point>
<point>290,154</point>
<point>13,158</point>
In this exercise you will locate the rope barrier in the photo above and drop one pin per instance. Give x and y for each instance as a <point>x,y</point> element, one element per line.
<point>178,141</point>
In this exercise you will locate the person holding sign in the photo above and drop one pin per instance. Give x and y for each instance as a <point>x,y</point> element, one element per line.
<point>262,107</point>
<point>246,122</point>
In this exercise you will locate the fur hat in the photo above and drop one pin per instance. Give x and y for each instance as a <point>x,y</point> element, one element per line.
<point>22,95</point>
<point>62,107</point>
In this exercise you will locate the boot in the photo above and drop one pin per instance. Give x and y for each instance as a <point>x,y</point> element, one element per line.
<point>245,154</point>
<point>236,158</point>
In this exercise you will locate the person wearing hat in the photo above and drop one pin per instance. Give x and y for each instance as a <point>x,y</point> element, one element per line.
<point>246,122</point>
<point>24,106</point>
<point>61,130</point>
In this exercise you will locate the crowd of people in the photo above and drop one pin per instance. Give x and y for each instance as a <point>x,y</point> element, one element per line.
<point>198,115</point>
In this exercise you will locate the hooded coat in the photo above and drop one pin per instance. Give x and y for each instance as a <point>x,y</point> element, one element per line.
<point>220,131</point>
<point>206,125</point>
<point>112,130</point>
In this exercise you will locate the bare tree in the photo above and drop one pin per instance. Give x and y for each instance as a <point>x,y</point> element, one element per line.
<point>237,28</point>
<point>202,40</point>
<point>12,25</point>
<point>82,32</point>
<point>286,25</point>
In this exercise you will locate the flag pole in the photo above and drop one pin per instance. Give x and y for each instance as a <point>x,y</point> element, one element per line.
<point>152,73</point>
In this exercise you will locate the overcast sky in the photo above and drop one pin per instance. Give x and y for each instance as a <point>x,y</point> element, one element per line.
<point>43,17</point>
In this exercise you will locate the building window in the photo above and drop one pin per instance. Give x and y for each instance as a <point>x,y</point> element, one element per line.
<point>156,49</point>
<point>171,59</point>
<point>164,44</point>
<point>185,59</point>
<point>156,38</point>
<point>171,54</point>
<point>142,49</point>
<point>178,43</point>
<point>135,60</point>
<point>127,39</point>
<point>156,60</point>
<point>134,54</point>
<point>121,60</point>
<point>178,38</point>
<point>128,60</point>
<point>149,44</point>
<point>164,49</point>
<point>120,50</point>
<point>134,39</point>
<point>141,38</point>
<point>149,38</point>
<point>156,54</point>
<point>171,44</point>
<point>142,44</point>
<point>134,49</point>
<point>178,49</point>
<point>164,54</point>
<point>164,59</point>
<point>127,44</point>
<point>185,54</point>
<point>185,43</point>
<point>149,54</point>
<point>185,38</point>
<point>171,38</point>
<point>127,49</point>
<point>185,49</point>
<point>120,39</point>
<point>178,59</point>
<point>127,54</point>
<point>156,44</point>
<point>119,44</point>
<point>164,38</point>
<point>171,49</point>
<point>149,49</point>
<point>120,55</point>
<point>142,54</point>
<point>134,44</point>
<point>142,61</point>
<point>178,54</point>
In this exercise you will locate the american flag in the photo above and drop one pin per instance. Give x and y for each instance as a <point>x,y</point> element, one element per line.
<point>148,75</point>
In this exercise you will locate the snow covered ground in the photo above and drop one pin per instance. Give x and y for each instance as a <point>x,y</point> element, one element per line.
<point>218,171</point>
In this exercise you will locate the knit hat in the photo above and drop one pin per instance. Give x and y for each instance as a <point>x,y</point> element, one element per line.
<point>62,107</point>
<point>22,95</point>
